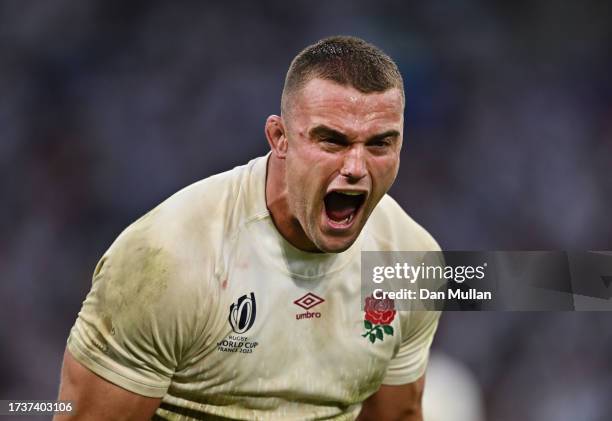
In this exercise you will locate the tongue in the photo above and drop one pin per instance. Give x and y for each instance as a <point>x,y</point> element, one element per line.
<point>340,206</point>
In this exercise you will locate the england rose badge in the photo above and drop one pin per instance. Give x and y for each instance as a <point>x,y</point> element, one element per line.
<point>378,317</point>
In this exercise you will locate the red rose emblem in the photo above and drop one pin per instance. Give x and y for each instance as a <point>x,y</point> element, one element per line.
<point>379,312</point>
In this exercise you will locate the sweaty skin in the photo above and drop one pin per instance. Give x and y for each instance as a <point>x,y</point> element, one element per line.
<point>331,138</point>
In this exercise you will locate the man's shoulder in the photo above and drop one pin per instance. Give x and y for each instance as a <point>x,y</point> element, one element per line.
<point>195,223</point>
<point>394,230</point>
<point>202,211</point>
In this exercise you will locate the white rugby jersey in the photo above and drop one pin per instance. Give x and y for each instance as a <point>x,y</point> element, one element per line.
<point>202,302</point>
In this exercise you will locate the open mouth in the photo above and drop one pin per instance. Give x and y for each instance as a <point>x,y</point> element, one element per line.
<point>341,206</point>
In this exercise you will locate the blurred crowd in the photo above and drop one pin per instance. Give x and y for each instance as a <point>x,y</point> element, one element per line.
<point>108,107</point>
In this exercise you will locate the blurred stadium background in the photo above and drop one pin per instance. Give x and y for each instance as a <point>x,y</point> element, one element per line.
<point>108,107</point>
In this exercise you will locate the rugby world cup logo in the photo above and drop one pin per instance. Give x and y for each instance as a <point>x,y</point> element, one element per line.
<point>242,313</point>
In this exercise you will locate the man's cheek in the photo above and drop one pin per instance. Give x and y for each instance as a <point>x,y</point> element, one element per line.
<point>385,178</point>
<point>391,173</point>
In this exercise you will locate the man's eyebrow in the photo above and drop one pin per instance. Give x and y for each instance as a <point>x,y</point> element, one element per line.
<point>389,133</point>
<point>323,131</point>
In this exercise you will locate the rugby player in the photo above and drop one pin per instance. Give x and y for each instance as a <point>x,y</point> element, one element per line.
<point>239,296</point>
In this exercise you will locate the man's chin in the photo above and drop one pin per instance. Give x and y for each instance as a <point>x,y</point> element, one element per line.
<point>335,244</point>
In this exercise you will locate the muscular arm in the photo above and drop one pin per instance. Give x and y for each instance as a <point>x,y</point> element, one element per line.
<point>395,403</point>
<point>95,399</point>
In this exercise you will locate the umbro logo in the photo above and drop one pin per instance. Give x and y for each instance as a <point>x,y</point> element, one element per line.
<point>307,302</point>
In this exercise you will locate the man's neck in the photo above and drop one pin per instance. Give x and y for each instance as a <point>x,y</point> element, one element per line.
<point>278,205</point>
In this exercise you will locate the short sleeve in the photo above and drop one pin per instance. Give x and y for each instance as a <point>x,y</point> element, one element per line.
<point>410,362</point>
<point>136,323</point>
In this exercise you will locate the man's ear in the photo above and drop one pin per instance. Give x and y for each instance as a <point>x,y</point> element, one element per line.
<point>277,136</point>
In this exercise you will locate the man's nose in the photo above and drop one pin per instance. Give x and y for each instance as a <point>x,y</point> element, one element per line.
<point>354,166</point>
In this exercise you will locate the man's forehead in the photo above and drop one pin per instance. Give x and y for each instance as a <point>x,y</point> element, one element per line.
<point>326,102</point>
<point>321,92</point>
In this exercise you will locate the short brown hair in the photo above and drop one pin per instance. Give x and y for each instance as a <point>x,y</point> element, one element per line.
<point>346,60</point>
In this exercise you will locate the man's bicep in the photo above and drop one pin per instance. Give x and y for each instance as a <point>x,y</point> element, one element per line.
<point>124,331</point>
<point>410,362</point>
<point>138,322</point>
<point>395,403</point>
<point>94,398</point>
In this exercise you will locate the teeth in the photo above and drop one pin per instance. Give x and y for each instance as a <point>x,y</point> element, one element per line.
<point>347,220</point>
<point>350,192</point>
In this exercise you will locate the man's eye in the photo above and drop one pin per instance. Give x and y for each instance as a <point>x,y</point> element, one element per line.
<point>332,141</point>
<point>381,143</point>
